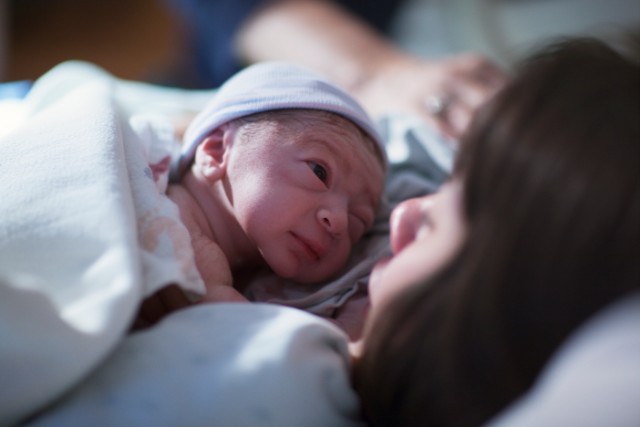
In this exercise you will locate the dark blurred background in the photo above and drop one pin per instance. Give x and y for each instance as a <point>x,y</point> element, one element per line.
<point>146,39</point>
<point>133,39</point>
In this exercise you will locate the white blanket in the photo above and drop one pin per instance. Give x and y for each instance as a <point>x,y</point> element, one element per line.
<point>69,268</point>
<point>85,233</point>
<point>223,365</point>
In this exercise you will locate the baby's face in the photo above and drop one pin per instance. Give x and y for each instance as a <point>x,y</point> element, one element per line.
<point>305,191</point>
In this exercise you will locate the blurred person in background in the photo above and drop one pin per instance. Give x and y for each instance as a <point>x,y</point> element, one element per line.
<point>345,40</point>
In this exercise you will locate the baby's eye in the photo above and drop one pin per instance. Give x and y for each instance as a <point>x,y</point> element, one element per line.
<point>319,170</point>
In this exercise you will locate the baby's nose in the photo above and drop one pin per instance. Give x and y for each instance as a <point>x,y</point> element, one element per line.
<point>406,221</point>
<point>334,220</point>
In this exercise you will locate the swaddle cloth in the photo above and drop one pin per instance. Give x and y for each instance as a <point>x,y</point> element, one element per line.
<point>272,86</point>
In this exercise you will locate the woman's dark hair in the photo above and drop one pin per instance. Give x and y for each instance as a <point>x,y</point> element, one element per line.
<point>551,173</point>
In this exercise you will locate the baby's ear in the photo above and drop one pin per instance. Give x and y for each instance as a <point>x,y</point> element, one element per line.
<point>212,152</point>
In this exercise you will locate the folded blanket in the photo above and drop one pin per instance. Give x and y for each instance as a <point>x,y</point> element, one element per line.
<point>85,233</point>
<point>69,275</point>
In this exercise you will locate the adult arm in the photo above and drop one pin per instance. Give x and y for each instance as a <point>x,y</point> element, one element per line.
<point>325,37</point>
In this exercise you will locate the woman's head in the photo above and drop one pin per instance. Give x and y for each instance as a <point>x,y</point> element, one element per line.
<point>550,206</point>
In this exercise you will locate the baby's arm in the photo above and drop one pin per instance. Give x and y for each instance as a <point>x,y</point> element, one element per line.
<point>216,274</point>
<point>211,262</point>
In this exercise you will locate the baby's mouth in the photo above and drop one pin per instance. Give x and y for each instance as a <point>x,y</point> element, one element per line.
<point>312,250</point>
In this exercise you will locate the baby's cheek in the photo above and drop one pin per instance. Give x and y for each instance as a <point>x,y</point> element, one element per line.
<point>337,259</point>
<point>356,231</point>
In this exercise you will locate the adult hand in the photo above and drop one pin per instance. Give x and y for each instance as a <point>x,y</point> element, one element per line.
<point>325,37</point>
<point>443,92</point>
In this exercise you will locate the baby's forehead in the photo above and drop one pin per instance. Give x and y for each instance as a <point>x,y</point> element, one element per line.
<point>269,86</point>
<point>329,124</point>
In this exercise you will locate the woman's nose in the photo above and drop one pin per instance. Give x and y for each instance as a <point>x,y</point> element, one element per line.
<point>406,221</point>
<point>334,219</point>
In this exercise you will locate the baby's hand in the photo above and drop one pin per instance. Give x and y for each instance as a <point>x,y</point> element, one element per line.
<point>223,293</point>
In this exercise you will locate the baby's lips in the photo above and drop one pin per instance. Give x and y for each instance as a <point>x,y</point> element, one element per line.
<point>313,249</point>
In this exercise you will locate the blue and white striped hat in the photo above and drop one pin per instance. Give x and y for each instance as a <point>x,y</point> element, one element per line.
<point>272,86</point>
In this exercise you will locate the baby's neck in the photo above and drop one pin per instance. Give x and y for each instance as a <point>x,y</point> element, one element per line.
<point>206,215</point>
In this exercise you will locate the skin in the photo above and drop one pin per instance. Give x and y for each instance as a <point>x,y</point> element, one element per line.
<point>316,185</point>
<point>425,234</point>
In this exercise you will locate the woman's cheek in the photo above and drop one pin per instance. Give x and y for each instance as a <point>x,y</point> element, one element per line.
<point>395,274</point>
